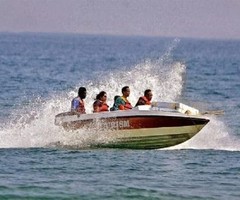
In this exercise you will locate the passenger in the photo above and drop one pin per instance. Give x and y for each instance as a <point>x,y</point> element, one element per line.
<point>77,104</point>
<point>100,104</point>
<point>114,104</point>
<point>122,102</point>
<point>146,99</point>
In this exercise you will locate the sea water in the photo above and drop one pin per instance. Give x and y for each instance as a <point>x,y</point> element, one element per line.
<point>41,73</point>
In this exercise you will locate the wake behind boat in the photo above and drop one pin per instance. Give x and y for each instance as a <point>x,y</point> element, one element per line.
<point>144,127</point>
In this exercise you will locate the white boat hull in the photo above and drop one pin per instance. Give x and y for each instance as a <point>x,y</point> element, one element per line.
<point>136,129</point>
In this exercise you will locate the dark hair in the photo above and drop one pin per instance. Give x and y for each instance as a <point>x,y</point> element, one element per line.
<point>124,89</point>
<point>100,95</point>
<point>115,98</point>
<point>147,91</point>
<point>81,90</point>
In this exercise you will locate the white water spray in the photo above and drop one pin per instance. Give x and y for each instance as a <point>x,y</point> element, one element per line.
<point>162,75</point>
<point>215,135</point>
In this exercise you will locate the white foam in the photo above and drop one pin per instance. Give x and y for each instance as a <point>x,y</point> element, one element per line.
<point>215,135</point>
<point>34,126</point>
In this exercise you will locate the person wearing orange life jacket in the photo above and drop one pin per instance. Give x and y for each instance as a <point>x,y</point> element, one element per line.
<point>100,104</point>
<point>122,102</point>
<point>77,104</point>
<point>146,99</point>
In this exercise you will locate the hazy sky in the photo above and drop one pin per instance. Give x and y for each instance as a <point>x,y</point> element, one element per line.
<point>178,18</point>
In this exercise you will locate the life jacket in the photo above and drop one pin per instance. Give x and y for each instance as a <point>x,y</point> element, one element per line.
<point>141,99</point>
<point>78,105</point>
<point>147,102</point>
<point>126,106</point>
<point>102,105</point>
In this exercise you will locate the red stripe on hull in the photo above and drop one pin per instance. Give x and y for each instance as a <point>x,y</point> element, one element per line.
<point>135,122</point>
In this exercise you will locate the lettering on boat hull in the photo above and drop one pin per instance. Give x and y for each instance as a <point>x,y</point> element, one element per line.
<point>117,124</point>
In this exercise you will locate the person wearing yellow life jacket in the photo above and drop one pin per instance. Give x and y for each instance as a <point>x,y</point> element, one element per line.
<point>77,104</point>
<point>146,99</point>
<point>122,102</point>
<point>100,105</point>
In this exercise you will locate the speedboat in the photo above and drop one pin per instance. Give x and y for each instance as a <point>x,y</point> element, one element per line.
<point>155,126</point>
